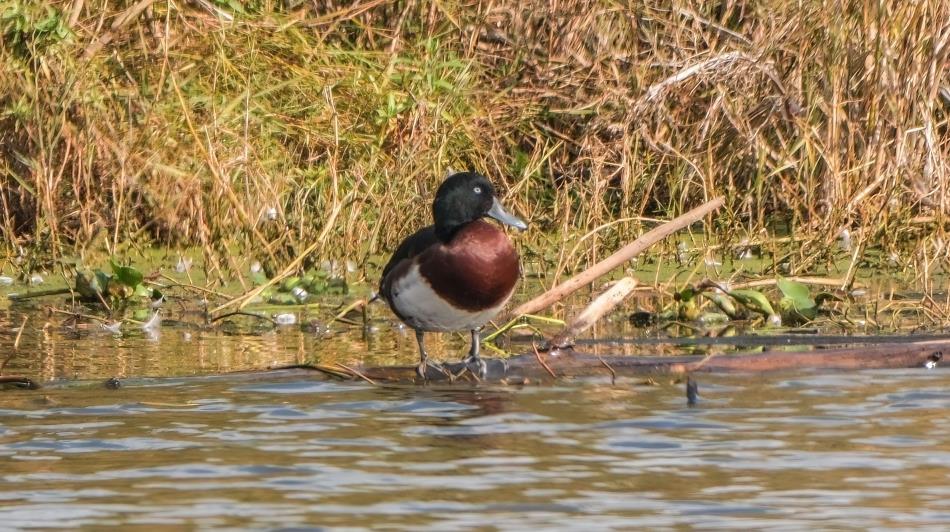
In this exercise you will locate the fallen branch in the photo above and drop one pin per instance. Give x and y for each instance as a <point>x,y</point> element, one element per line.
<point>622,255</point>
<point>603,304</point>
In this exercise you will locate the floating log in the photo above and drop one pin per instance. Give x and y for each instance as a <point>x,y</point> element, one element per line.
<point>567,362</point>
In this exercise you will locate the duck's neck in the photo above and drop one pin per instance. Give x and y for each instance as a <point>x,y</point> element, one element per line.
<point>446,229</point>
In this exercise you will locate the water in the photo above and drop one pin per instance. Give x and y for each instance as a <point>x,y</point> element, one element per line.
<point>186,444</point>
<point>859,450</point>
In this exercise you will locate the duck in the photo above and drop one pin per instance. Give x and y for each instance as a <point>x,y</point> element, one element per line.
<point>458,273</point>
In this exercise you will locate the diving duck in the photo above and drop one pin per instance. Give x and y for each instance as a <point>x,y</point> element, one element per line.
<point>458,273</point>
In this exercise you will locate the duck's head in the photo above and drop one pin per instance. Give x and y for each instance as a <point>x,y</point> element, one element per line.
<point>465,197</point>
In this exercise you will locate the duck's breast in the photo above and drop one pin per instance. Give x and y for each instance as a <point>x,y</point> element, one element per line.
<point>457,286</point>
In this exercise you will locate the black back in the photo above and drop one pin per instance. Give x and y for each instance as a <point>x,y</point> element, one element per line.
<point>409,248</point>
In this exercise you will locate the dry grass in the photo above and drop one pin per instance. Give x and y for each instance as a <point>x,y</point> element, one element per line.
<point>183,122</point>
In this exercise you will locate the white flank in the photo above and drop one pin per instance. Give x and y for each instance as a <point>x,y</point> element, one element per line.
<point>413,298</point>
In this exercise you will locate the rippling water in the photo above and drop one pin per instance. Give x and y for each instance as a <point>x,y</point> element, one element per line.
<point>858,450</point>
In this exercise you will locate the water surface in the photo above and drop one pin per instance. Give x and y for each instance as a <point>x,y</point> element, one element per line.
<point>857,450</point>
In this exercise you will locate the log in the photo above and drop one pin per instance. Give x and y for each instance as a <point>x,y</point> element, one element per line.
<point>571,363</point>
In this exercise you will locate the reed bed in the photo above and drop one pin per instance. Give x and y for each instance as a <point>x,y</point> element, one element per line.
<point>262,127</point>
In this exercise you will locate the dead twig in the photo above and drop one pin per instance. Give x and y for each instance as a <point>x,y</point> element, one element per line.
<point>613,374</point>
<point>77,315</point>
<point>16,345</point>
<point>19,334</point>
<point>194,287</point>
<point>121,21</point>
<point>359,303</point>
<point>541,361</point>
<point>357,373</point>
<point>244,313</point>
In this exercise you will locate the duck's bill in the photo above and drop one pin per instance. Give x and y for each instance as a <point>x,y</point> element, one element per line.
<point>499,213</point>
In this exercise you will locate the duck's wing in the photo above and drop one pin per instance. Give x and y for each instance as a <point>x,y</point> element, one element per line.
<point>410,247</point>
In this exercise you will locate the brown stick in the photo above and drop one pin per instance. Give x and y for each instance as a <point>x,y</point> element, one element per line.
<point>624,254</point>
<point>537,354</point>
<point>603,304</point>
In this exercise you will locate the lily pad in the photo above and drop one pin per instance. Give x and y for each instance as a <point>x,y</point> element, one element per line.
<point>753,300</point>
<point>797,305</point>
<point>127,275</point>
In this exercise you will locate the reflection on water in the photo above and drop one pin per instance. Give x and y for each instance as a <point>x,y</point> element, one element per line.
<point>859,450</point>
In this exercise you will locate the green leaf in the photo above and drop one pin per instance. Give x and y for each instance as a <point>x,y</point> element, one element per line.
<point>141,291</point>
<point>712,318</point>
<point>101,281</point>
<point>687,310</point>
<point>282,299</point>
<point>47,24</point>
<point>289,283</point>
<point>797,292</point>
<point>725,304</point>
<point>792,314</point>
<point>337,285</point>
<point>753,300</point>
<point>236,6</point>
<point>686,294</point>
<point>797,306</point>
<point>127,275</point>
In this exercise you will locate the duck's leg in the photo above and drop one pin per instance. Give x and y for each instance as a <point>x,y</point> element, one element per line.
<point>423,356</point>
<point>473,359</point>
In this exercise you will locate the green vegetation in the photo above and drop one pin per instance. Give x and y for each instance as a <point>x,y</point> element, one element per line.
<point>261,127</point>
<point>795,305</point>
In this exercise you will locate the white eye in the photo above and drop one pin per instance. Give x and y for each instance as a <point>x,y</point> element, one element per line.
<point>478,190</point>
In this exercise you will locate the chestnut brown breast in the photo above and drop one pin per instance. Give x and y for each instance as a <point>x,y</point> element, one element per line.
<point>476,270</point>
